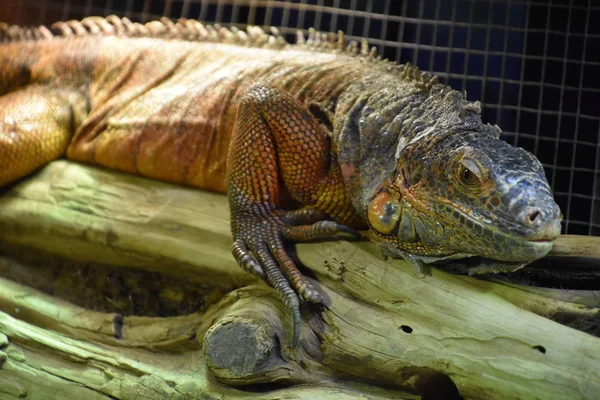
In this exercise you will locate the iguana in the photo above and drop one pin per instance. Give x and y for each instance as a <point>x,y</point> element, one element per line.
<point>308,140</point>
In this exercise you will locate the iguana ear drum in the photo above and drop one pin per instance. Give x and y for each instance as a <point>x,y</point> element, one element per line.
<point>384,212</point>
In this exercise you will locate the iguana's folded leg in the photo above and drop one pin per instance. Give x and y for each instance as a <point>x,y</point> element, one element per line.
<point>36,126</point>
<point>278,146</point>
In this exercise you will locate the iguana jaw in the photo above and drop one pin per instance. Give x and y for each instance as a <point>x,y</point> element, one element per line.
<point>454,234</point>
<point>461,262</point>
<point>512,246</point>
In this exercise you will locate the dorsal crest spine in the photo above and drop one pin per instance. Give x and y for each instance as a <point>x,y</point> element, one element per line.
<point>188,30</point>
<point>193,30</point>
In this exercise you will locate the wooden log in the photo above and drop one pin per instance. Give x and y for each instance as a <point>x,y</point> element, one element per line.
<point>53,349</point>
<point>382,325</point>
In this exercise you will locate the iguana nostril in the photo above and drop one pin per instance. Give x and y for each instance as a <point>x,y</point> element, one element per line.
<point>532,216</point>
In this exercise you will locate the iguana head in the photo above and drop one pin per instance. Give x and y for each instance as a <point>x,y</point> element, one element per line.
<point>466,193</point>
<point>434,182</point>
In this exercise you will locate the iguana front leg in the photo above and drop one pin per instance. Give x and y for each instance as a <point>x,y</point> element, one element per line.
<point>36,126</point>
<point>277,142</point>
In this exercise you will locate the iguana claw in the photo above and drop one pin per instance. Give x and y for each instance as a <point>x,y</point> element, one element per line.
<point>259,249</point>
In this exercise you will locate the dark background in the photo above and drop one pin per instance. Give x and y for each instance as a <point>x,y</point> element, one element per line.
<point>535,65</point>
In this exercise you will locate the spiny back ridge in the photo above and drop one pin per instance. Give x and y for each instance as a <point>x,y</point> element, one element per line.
<point>183,29</point>
<point>193,30</point>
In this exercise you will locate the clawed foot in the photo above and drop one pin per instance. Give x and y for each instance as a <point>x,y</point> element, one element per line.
<point>259,249</point>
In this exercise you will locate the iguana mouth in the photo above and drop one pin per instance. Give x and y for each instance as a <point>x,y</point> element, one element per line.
<point>515,248</point>
<point>542,243</point>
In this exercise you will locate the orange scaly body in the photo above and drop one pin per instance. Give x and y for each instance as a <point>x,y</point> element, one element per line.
<point>307,140</point>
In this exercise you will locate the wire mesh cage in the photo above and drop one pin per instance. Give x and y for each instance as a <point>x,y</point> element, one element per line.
<point>535,65</point>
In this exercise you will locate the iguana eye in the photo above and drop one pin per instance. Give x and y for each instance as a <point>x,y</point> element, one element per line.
<point>470,173</point>
<point>468,177</point>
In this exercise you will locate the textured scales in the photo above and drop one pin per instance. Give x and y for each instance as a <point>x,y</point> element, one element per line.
<point>308,140</point>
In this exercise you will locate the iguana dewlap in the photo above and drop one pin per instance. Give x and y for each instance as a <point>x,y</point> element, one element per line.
<point>308,140</point>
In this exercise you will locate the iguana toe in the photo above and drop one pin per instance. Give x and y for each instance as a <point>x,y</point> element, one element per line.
<point>318,230</point>
<point>246,260</point>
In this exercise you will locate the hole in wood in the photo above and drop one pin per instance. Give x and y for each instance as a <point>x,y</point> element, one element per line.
<point>118,324</point>
<point>539,348</point>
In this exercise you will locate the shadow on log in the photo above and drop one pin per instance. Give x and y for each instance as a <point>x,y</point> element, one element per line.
<point>121,287</point>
